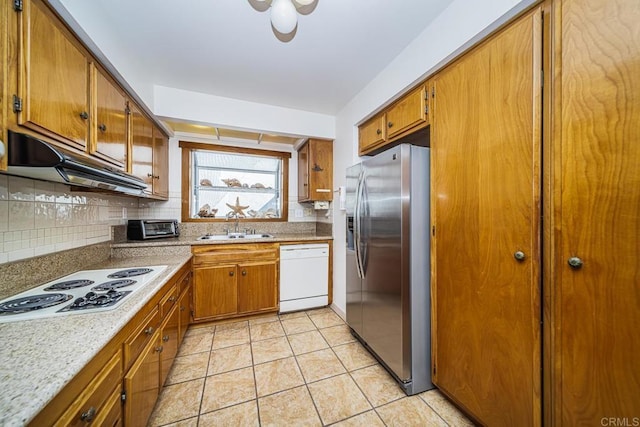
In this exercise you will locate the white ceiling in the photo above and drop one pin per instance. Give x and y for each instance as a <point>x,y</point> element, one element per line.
<point>227,48</point>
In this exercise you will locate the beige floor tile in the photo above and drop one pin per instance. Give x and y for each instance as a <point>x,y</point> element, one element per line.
<point>298,325</point>
<point>288,408</point>
<point>177,402</point>
<point>378,385</point>
<point>445,409</point>
<point>271,349</point>
<point>189,367</point>
<point>354,356</point>
<point>326,320</point>
<point>307,342</point>
<point>200,329</point>
<point>277,376</point>
<point>292,315</point>
<point>229,358</point>
<point>242,415</point>
<point>265,331</point>
<point>263,319</point>
<point>319,365</point>
<point>337,335</point>
<point>230,337</point>
<point>409,411</point>
<point>196,344</point>
<point>191,422</point>
<point>338,398</point>
<point>228,389</point>
<point>320,310</point>
<point>368,419</point>
<point>225,326</point>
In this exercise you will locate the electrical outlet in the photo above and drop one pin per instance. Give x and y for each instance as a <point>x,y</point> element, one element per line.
<point>308,212</point>
<point>299,213</point>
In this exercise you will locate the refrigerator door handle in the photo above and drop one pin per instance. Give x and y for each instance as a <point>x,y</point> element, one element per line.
<point>357,225</point>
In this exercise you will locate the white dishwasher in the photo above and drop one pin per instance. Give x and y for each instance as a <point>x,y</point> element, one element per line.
<point>304,276</point>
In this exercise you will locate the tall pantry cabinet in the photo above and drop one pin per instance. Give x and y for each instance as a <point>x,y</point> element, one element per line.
<point>536,208</point>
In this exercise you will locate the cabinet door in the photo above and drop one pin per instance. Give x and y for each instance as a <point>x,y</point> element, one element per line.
<point>372,134</point>
<point>160,164</point>
<point>597,189</point>
<point>407,113</point>
<point>303,173</point>
<point>184,307</point>
<point>142,384</point>
<point>215,291</point>
<point>53,78</point>
<point>485,200</point>
<point>169,336</point>
<point>257,287</point>
<point>141,146</point>
<point>320,170</point>
<point>110,124</point>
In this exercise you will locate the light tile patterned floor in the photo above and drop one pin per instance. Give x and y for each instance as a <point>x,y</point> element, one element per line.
<point>297,369</point>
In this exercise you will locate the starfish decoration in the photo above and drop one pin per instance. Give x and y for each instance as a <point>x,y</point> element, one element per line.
<point>237,210</point>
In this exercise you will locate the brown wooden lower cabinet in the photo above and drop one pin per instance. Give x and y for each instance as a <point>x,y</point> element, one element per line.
<point>169,345</point>
<point>142,384</point>
<point>256,290</point>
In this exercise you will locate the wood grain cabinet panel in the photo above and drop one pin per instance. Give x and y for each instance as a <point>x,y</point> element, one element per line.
<point>110,124</point>
<point>142,384</point>
<point>141,157</point>
<point>257,287</point>
<point>53,78</point>
<point>215,291</point>
<point>169,335</point>
<point>486,147</point>
<point>160,164</point>
<point>315,171</point>
<point>410,111</point>
<point>372,134</point>
<point>185,309</point>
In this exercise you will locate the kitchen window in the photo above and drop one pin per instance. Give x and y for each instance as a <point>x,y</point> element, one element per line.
<point>220,182</point>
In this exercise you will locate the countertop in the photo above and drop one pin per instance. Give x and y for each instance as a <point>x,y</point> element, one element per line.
<point>39,357</point>
<point>193,240</point>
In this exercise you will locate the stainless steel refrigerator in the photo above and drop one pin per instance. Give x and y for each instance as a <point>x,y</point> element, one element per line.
<point>388,274</point>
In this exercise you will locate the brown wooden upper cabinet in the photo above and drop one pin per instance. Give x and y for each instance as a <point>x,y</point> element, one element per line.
<point>408,114</point>
<point>315,171</point>
<point>110,124</point>
<point>54,79</point>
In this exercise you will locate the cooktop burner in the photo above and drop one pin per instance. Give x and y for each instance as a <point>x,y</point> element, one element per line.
<point>69,284</point>
<point>131,272</point>
<point>32,302</point>
<point>114,284</point>
<point>86,291</point>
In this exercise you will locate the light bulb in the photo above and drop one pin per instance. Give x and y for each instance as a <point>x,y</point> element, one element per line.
<point>284,17</point>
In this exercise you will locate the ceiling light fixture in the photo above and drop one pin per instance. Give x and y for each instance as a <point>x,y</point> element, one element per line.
<point>284,13</point>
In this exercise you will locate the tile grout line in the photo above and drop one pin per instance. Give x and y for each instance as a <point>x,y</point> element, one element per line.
<point>255,380</point>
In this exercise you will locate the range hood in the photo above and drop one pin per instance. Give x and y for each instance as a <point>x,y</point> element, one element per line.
<point>30,157</point>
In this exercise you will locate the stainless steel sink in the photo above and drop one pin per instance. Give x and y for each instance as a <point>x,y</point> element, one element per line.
<point>235,236</point>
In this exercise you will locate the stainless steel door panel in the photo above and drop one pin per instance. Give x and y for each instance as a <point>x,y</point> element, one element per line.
<point>386,274</point>
<point>354,282</point>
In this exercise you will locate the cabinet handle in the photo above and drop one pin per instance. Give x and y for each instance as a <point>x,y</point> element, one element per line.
<point>172,298</point>
<point>378,132</point>
<point>149,330</point>
<point>88,415</point>
<point>84,115</point>
<point>575,262</point>
<point>159,349</point>
<point>231,273</point>
<point>157,177</point>
<point>244,272</point>
<point>390,125</point>
<point>150,176</point>
<point>102,127</point>
<point>165,338</point>
<point>182,308</point>
<point>519,255</point>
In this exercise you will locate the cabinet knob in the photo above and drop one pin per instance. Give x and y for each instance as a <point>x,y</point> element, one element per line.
<point>378,132</point>
<point>88,415</point>
<point>182,308</point>
<point>102,127</point>
<point>231,273</point>
<point>159,349</point>
<point>165,338</point>
<point>84,115</point>
<point>172,298</point>
<point>390,125</point>
<point>519,255</point>
<point>244,272</point>
<point>149,330</point>
<point>575,262</point>
<point>150,175</point>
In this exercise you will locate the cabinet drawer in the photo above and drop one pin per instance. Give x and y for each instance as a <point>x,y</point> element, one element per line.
<point>139,338</point>
<point>232,254</point>
<point>94,398</point>
<point>168,301</point>
<point>111,413</point>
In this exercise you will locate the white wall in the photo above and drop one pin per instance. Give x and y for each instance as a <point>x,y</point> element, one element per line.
<point>454,27</point>
<point>238,114</point>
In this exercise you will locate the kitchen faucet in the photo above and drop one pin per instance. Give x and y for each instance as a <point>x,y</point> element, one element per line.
<point>237,221</point>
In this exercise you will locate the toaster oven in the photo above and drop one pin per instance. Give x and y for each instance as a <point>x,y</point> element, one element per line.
<point>143,229</point>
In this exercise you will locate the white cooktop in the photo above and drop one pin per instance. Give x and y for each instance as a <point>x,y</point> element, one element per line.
<point>87,291</point>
